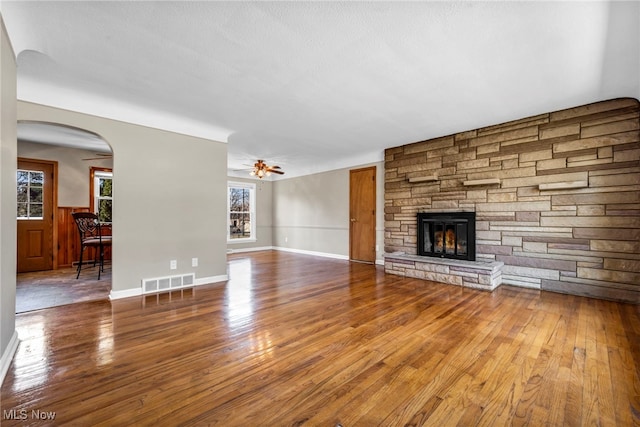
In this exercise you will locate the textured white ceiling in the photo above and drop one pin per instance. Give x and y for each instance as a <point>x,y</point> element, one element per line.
<point>318,85</point>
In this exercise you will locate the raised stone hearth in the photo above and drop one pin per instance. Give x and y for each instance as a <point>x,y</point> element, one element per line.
<point>485,275</point>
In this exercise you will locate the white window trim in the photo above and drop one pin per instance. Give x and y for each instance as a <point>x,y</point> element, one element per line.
<point>96,190</point>
<point>252,211</point>
<point>29,217</point>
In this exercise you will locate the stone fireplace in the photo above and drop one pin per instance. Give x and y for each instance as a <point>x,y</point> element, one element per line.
<point>447,235</point>
<point>556,199</point>
<point>446,252</point>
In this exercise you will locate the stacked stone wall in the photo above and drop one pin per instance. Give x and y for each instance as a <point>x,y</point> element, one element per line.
<point>562,205</point>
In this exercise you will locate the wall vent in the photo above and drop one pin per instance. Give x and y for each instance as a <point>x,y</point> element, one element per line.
<point>162,284</point>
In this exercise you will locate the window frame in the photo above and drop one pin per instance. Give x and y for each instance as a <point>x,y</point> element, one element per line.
<point>252,211</point>
<point>94,175</point>
<point>29,185</point>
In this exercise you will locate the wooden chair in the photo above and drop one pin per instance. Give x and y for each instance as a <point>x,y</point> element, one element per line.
<point>91,236</point>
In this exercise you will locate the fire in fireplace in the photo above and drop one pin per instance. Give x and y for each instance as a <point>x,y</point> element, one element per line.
<point>447,235</point>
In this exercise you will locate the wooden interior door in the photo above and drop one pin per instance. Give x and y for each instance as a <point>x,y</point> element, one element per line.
<point>36,184</point>
<point>362,212</point>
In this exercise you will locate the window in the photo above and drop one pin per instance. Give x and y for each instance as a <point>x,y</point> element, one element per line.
<point>242,212</point>
<point>102,194</point>
<point>30,194</point>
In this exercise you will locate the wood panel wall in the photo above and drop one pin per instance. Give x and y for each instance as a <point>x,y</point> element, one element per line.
<point>583,240</point>
<point>68,240</point>
<point>68,246</point>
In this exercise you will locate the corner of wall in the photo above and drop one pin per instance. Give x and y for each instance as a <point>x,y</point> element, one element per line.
<point>7,356</point>
<point>8,159</point>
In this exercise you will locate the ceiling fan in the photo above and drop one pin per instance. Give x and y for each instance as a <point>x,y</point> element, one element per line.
<point>261,169</point>
<point>101,156</point>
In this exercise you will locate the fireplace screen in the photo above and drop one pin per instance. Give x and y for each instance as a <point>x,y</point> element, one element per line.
<point>447,235</point>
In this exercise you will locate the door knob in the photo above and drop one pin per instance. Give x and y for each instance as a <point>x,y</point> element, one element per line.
<point>353,220</point>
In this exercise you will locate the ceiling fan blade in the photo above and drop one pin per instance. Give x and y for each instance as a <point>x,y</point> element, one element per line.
<point>278,172</point>
<point>97,158</point>
<point>274,167</point>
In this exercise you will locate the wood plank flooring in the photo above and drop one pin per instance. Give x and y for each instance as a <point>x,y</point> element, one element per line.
<point>299,340</point>
<point>45,289</point>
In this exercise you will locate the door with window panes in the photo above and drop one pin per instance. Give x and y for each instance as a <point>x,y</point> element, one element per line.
<point>35,187</point>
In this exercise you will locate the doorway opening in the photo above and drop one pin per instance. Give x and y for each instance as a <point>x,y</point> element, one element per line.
<point>73,153</point>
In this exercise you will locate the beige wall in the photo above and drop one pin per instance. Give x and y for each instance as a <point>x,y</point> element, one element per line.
<point>8,154</point>
<point>73,172</point>
<point>311,213</point>
<point>623,31</point>
<point>583,240</point>
<point>168,189</point>
<point>264,214</point>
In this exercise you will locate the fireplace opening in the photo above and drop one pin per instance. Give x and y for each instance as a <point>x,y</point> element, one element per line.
<point>447,235</point>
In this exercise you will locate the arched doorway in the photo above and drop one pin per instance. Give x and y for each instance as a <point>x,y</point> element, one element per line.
<point>75,153</point>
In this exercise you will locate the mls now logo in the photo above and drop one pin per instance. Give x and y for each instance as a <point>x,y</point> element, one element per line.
<point>15,414</point>
<point>42,415</point>
<point>23,414</point>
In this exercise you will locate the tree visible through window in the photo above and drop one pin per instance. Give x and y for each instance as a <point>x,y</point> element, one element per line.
<point>103,194</point>
<point>30,189</point>
<point>241,211</point>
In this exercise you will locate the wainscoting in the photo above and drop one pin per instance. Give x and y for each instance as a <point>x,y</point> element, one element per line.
<point>68,245</point>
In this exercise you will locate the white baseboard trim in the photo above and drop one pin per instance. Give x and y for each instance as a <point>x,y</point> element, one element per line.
<point>261,248</point>
<point>302,251</point>
<point>297,251</point>
<point>7,356</point>
<point>134,292</point>
<point>125,293</point>
<point>210,280</point>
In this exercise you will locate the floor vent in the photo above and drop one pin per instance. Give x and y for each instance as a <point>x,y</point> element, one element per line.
<point>163,284</point>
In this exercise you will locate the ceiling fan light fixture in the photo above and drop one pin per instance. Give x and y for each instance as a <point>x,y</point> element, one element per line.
<point>261,169</point>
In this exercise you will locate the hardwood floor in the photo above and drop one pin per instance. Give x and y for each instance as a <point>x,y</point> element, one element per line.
<point>45,289</point>
<point>300,340</point>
